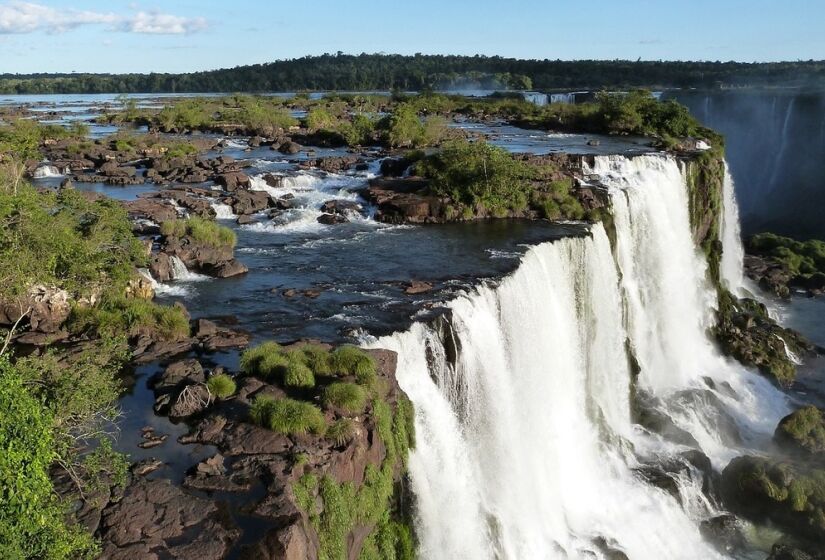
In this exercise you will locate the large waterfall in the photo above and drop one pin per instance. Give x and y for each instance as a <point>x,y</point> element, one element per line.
<point>525,392</point>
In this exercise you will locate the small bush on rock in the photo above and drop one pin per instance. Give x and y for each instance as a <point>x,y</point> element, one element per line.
<point>264,360</point>
<point>297,374</point>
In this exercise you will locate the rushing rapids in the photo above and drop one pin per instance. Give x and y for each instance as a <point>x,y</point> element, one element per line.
<point>528,392</point>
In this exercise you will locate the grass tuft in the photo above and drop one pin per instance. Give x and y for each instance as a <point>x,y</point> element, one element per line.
<point>351,360</point>
<point>287,416</point>
<point>346,396</point>
<point>221,385</point>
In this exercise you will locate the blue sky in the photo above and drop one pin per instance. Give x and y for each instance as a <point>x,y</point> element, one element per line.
<point>138,36</point>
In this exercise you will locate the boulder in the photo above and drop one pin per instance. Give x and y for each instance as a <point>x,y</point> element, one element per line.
<point>232,181</point>
<point>803,432</point>
<point>249,202</point>
<point>417,287</point>
<point>332,219</point>
<point>45,309</point>
<point>289,147</point>
<point>341,207</point>
<point>160,266</point>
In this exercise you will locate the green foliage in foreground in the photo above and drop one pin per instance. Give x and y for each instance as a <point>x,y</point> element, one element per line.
<point>404,129</point>
<point>287,416</point>
<point>202,231</point>
<point>21,138</point>
<point>221,385</point>
<point>800,258</point>
<point>62,239</point>
<point>346,506</point>
<point>31,518</point>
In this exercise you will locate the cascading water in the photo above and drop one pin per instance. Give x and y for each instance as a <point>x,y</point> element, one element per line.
<point>526,445</point>
<point>733,253</point>
<point>180,272</point>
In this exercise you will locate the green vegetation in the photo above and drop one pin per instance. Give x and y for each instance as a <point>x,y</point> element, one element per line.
<point>63,239</point>
<point>346,506</point>
<point>804,260</point>
<point>131,316</point>
<point>803,430</point>
<point>370,72</point>
<point>287,416</point>
<point>264,360</point>
<point>404,129</point>
<point>349,397</point>
<point>342,431</point>
<point>351,360</point>
<point>480,178</point>
<point>31,517</point>
<point>297,373</point>
<point>202,231</point>
<point>221,386</point>
<point>791,496</point>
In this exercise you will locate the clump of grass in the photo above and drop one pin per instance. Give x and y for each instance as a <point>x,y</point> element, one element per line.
<point>296,373</point>
<point>264,360</point>
<point>132,316</point>
<point>287,416</point>
<point>205,232</point>
<point>342,431</point>
<point>351,360</point>
<point>221,385</point>
<point>316,358</point>
<point>346,396</point>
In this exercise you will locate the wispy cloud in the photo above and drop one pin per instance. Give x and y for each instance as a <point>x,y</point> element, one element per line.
<point>28,17</point>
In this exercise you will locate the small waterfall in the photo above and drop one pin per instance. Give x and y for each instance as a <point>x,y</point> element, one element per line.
<point>181,273</point>
<point>223,211</point>
<point>536,98</point>
<point>526,446</point>
<point>46,171</point>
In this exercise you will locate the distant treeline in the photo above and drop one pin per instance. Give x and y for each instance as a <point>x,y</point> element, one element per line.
<point>382,72</point>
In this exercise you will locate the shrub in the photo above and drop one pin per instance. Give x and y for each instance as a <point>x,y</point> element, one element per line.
<point>346,396</point>
<point>351,360</point>
<point>359,131</point>
<point>319,118</point>
<point>403,128</point>
<point>297,374</point>
<point>342,431</point>
<point>288,416</point>
<point>32,521</point>
<point>221,385</point>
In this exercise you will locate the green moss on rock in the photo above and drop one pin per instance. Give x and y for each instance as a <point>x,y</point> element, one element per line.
<point>803,431</point>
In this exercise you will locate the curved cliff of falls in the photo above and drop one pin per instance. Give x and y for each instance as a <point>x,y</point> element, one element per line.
<point>550,406</point>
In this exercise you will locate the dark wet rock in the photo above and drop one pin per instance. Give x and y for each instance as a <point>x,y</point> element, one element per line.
<point>160,267</point>
<point>212,337</point>
<point>787,552</point>
<point>125,180</point>
<point>725,532</point>
<point>335,164</point>
<point>332,219</point>
<point>418,287</point>
<point>289,147</point>
<point>225,269</point>
<point>394,167</point>
<point>150,440</point>
<point>803,432</point>
<point>311,293</point>
<point>249,202</point>
<point>89,178</point>
<point>770,275</point>
<point>289,543</point>
<point>792,496</point>
<point>232,181</point>
<point>341,207</point>
<point>285,203</point>
<point>271,180</point>
<point>245,219</point>
<point>146,349</point>
<point>237,438</point>
<point>289,293</point>
<point>112,169</point>
<point>177,374</point>
<point>648,414</point>
<point>403,201</point>
<point>151,209</point>
<point>609,549</point>
<point>156,519</point>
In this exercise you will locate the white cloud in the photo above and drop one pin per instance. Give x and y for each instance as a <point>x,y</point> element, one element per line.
<point>155,22</point>
<point>28,17</point>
